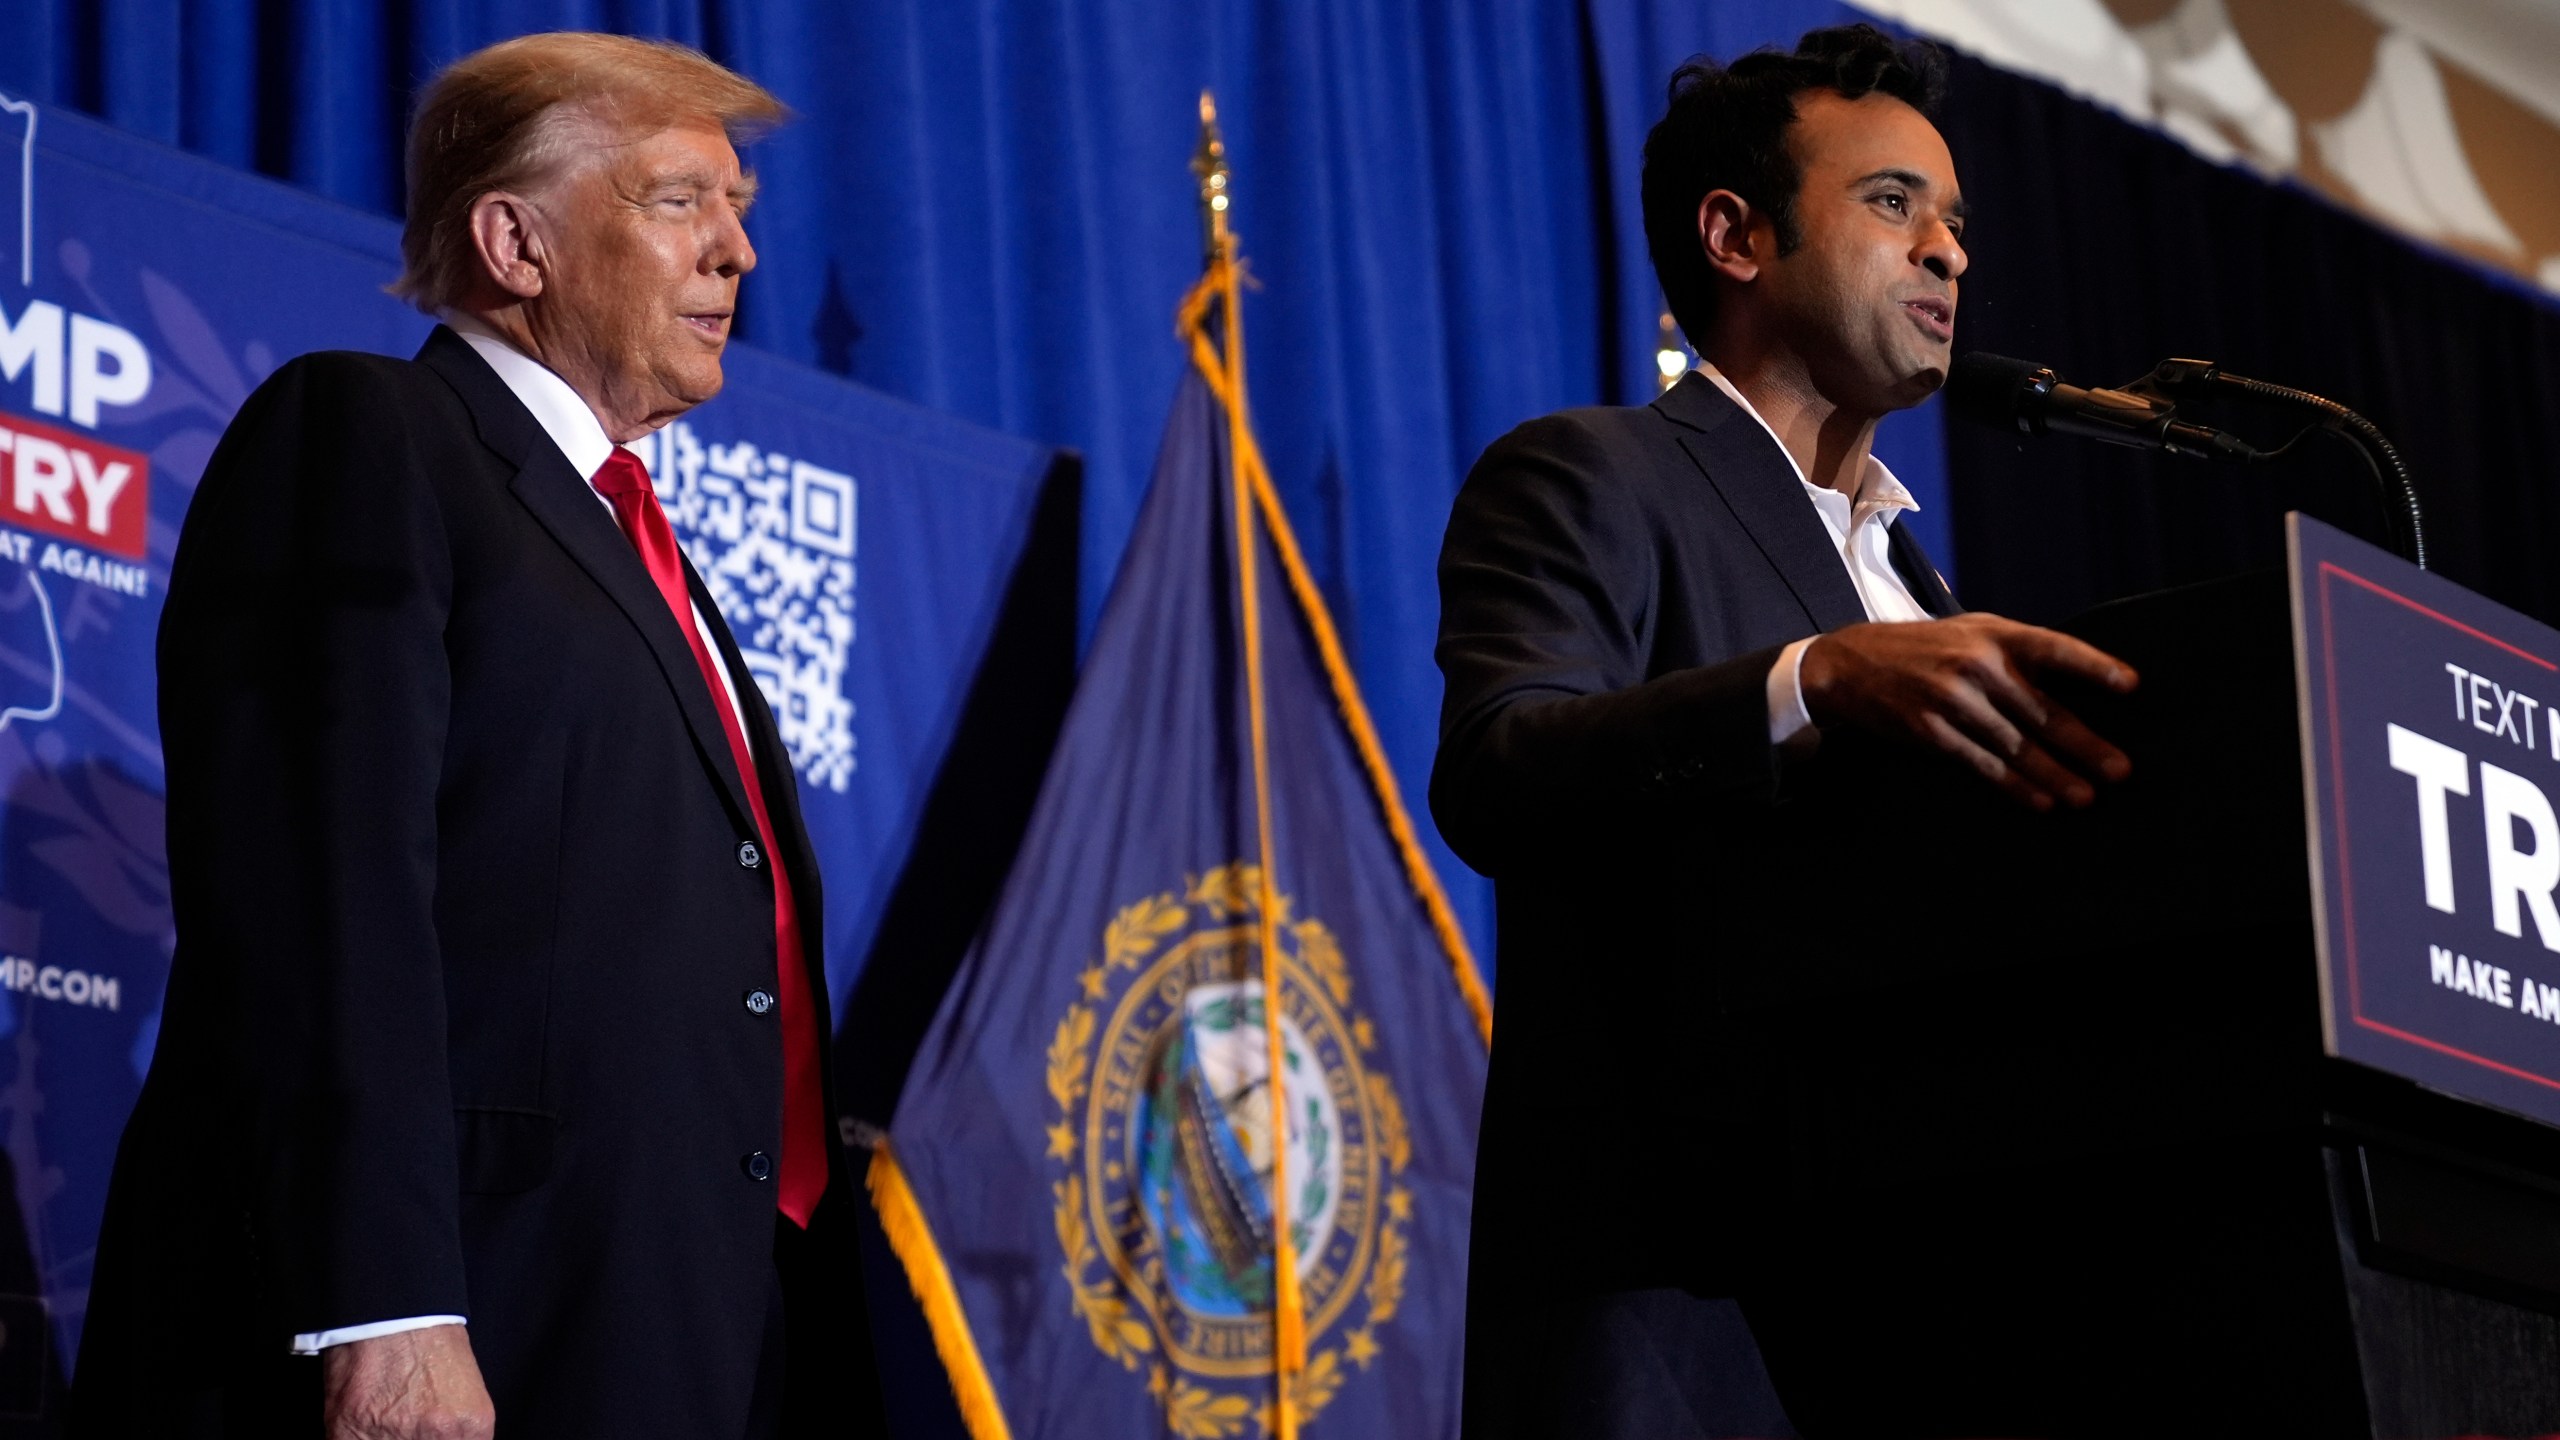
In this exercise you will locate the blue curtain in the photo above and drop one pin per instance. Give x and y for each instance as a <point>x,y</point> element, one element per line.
<point>987,208</point>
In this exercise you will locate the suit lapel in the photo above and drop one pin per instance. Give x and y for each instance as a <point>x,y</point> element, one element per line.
<point>1919,576</point>
<point>781,801</point>
<point>1758,483</point>
<point>559,498</point>
<point>774,774</point>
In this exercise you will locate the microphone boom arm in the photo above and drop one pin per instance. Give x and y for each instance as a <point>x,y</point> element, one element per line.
<point>2400,509</point>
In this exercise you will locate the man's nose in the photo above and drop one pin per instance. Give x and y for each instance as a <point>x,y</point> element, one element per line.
<point>730,253</point>
<point>1941,254</point>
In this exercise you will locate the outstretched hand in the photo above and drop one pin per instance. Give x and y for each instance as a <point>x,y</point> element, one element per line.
<point>412,1385</point>
<point>1966,687</point>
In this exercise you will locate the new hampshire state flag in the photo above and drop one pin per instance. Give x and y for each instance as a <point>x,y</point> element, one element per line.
<point>1118,1224</point>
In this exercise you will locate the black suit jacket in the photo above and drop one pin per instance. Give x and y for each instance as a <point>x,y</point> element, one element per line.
<point>1615,585</point>
<point>457,1019</point>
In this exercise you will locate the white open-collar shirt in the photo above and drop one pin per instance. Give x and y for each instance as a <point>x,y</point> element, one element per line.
<point>1857,528</point>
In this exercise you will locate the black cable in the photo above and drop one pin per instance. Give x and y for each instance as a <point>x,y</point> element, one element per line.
<point>2399,495</point>
<point>2401,514</point>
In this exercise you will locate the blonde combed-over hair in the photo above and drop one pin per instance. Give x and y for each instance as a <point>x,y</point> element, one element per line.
<point>506,117</point>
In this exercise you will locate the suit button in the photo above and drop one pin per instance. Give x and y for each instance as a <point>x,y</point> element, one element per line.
<point>758,1165</point>
<point>758,1002</point>
<point>749,855</point>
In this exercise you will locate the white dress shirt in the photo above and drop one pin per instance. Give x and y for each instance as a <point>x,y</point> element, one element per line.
<point>573,427</point>
<point>1857,526</point>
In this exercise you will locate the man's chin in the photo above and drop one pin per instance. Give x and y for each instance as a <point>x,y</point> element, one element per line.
<point>697,383</point>
<point>1922,375</point>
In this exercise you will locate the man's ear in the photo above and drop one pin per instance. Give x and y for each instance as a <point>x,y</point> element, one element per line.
<point>506,233</point>
<point>1732,234</point>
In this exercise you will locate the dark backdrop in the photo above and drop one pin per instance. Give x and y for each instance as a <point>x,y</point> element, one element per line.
<point>2101,248</point>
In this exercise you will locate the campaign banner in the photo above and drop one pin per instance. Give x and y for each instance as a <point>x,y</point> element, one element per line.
<point>860,548</point>
<point>2430,757</point>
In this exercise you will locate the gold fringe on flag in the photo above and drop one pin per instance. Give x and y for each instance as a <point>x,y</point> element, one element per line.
<point>902,1219</point>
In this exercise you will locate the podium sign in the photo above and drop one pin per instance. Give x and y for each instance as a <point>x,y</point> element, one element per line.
<point>2431,753</point>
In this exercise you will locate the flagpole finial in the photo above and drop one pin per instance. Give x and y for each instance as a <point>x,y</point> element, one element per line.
<point>1209,163</point>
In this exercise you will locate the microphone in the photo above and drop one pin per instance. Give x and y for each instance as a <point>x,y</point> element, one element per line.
<point>2032,400</point>
<point>2029,398</point>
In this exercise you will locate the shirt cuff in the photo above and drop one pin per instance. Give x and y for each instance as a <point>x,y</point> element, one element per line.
<point>1788,719</point>
<point>317,1341</point>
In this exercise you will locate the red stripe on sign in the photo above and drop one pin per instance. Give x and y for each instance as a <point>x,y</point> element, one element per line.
<point>2338,786</point>
<point>59,483</point>
<point>2329,568</point>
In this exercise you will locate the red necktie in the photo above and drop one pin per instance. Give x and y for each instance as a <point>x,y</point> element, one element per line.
<point>625,481</point>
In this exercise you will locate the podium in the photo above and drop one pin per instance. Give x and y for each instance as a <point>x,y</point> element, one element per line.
<point>2230,1105</point>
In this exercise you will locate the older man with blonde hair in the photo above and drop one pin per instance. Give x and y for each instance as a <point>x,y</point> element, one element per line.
<point>490,1086</point>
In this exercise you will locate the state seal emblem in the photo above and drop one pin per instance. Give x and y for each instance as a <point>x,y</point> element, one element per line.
<point>1160,1073</point>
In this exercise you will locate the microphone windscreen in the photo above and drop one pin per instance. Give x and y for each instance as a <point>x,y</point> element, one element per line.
<point>1990,388</point>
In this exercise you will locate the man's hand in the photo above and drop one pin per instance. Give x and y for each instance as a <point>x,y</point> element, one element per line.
<point>415,1385</point>
<point>1962,686</point>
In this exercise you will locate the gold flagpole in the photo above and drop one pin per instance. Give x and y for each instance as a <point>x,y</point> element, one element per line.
<point>1288,1322</point>
<point>1209,163</point>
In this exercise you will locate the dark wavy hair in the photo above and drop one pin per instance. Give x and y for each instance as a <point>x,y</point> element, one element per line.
<point>1726,129</point>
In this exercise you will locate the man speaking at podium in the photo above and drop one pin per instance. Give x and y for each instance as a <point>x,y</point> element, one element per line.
<point>489,1089</point>
<point>1651,619</point>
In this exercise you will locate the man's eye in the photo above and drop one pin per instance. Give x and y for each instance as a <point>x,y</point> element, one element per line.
<point>1899,203</point>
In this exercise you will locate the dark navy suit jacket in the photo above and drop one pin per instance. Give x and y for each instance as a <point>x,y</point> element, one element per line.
<point>456,1021</point>
<point>1615,585</point>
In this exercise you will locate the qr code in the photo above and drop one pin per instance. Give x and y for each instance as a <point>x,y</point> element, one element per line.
<point>774,539</point>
